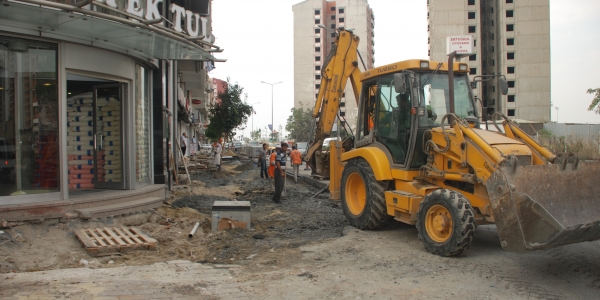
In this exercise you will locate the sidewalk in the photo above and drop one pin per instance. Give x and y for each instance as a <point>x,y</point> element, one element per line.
<point>179,279</point>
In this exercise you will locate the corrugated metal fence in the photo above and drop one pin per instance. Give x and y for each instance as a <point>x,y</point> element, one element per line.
<point>583,139</point>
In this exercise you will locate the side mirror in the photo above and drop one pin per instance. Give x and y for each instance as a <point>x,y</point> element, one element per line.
<point>400,83</point>
<point>503,85</point>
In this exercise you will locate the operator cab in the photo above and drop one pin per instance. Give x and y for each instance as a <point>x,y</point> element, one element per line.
<point>400,105</point>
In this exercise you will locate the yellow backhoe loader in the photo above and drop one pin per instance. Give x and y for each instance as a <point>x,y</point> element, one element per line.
<point>418,156</point>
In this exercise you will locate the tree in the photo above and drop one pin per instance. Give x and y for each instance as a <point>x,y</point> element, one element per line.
<point>596,101</point>
<point>255,135</point>
<point>299,124</point>
<point>230,114</point>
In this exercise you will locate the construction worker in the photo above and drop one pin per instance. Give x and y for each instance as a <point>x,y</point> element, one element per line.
<point>296,161</point>
<point>272,158</point>
<point>279,173</point>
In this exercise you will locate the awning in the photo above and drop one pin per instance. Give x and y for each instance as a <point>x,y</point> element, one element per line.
<point>54,21</point>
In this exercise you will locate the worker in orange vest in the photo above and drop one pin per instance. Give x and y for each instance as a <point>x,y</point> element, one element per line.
<point>272,159</point>
<point>296,161</point>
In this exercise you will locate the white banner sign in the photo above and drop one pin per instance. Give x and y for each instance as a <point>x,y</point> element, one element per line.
<point>462,44</point>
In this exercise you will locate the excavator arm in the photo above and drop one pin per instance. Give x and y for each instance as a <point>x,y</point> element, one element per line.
<point>341,64</point>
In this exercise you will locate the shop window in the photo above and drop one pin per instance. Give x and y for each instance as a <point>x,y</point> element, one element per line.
<point>471,2</point>
<point>511,83</point>
<point>471,15</point>
<point>510,27</point>
<point>473,71</point>
<point>511,112</point>
<point>510,42</point>
<point>510,55</point>
<point>473,57</point>
<point>29,127</point>
<point>511,98</point>
<point>471,29</point>
<point>510,13</point>
<point>510,70</point>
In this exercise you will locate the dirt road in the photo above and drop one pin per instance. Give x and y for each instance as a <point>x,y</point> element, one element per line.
<point>303,249</point>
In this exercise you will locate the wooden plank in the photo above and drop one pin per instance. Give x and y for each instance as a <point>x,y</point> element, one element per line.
<point>98,239</point>
<point>143,235</point>
<point>85,239</point>
<point>132,236</point>
<point>108,239</point>
<point>114,236</point>
<point>124,236</point>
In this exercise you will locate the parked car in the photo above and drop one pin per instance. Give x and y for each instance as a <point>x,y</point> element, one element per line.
<point>237,146</point>
<point>206,149</point>
<point>302,147</point>
<point>326,143</point>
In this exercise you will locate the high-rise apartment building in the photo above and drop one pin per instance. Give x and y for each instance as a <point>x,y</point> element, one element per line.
<point>512,38</point>
<point>313,43</point>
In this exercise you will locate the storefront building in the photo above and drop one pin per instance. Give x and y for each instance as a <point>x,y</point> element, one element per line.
<point>93,99</point>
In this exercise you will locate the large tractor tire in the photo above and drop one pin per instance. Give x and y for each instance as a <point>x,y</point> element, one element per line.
<point>446,223</point>
<point>363,199</point>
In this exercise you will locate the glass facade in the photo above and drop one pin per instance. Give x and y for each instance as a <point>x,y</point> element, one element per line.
<point>28,117</point>
<point>142,124</point>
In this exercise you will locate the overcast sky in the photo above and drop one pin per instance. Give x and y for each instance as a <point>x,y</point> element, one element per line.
<point>258,40</point>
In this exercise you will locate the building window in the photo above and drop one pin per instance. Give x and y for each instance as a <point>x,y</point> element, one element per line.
<point>510,42</point>
<point>317,12</point>
<point>29,101</point>
<point>317,21</point>
<point>317,95</point>
<point>341,10</point>
<point>473,57</point>
<point>510,27</point>
<point>493,36</point>
<point>510,13</point>
<point>341,20</point>
<point>317,49</point>
<point>317,77</point>
<point>493,62</point>
<point>332,26</point>
<point>317,86</point>
<point>317,58</point>
<point>473,71</point>
<point>471,15</point>
<point>318,68</point>
<point>333,34</point>
<point>317,30</point>
<point>471,29</point>
<point>511,112</point>
<point>317,40</point>
<point>510,70</point>
<point>474,43</point>
<point>511,98</point>
<point>493,88</point>
<point>471,2</point>
<point>333,17</point>
<point>491,10</point>
<point>511,83</point>
<point>333,8</point>
<point>509,1</point>
<point>510,55</point>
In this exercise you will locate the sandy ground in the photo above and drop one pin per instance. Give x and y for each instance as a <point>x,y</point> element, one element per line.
<point>304,249</point>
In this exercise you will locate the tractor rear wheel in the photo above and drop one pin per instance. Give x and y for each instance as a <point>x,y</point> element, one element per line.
<point>446,223</point>
<point>363,199</point>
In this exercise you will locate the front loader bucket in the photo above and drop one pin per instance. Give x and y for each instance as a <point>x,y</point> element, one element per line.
<point>543,206</point>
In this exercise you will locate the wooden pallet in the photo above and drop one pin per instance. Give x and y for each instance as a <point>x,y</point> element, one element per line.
<point>107,241</point>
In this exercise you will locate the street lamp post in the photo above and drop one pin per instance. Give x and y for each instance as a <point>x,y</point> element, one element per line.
<point>272,84</point>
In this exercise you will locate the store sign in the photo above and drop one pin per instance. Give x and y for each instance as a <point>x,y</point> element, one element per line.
<point>195,25</point>
<point>462,44</point>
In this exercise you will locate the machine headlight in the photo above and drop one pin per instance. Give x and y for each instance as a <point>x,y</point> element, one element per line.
<point>463,67</point>
<point>424,65</point>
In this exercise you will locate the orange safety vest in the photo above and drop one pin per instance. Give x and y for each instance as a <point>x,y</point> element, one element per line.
<point>272,164</point>
<point>296,160</point>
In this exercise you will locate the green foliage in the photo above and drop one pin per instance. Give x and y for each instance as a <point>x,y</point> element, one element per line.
<point>230,114</point>
<point>545,132</point>
<point>299,124</point>
<point>255,135</point>
<point>596,101</point>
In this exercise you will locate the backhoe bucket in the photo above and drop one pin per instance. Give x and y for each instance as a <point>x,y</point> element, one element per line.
<point>543,206</point>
